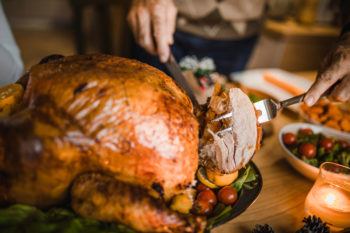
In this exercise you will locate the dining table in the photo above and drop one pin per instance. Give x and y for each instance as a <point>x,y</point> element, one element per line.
<point>281,201</point>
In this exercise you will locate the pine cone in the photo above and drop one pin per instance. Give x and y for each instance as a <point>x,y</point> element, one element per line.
<point>313,224</point>
<point>263,229</point>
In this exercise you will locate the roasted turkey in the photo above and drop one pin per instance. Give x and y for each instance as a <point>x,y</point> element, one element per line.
<point>121,119</point>
<point>118,139</point>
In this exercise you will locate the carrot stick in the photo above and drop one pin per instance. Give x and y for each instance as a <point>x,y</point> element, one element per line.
<point>282,84</point>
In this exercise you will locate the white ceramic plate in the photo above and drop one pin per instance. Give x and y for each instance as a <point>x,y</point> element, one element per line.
<point>254,79</point>
<point>305,169</point>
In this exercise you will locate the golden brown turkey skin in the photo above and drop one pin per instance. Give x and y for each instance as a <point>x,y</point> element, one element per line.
<point>97,113</point>
<point>104,198</point>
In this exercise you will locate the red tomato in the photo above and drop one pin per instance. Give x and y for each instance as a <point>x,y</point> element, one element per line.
<point>308,150</point>
<point>201,187</point>
<point>202,207</point>
<point>227,195</point>
<point>306,131</point>
<point>326,143</point>
<point>289,139</point>
<point>344,144</point>
<point>208,196</point>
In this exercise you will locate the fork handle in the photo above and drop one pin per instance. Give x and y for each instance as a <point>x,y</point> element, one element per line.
<point>293,100</point>
<point>299,98</point>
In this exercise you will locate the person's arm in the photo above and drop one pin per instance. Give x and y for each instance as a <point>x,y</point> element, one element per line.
<point>11,65</point>
<point>336,66</point>
<point>153,24</point>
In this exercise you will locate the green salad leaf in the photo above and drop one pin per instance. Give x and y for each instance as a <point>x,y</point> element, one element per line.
<point>217,218</point>
<point>344,158</point>
<point>313,162</point>
<point>248,176</point>
<point>253,98</point>
<point>28,219</point>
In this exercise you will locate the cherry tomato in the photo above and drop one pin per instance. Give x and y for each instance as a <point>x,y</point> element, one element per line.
<point>208,196</point>
<point>344,144</point>
<point>201,187</point>
<point>306,131</point>
<point>308,150</point>
<point>227,195</point>
<point>202,207</point>
<point>326,143</point>
<point>289,139</point>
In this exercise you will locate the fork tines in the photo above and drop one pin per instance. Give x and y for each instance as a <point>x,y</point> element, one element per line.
<point>222,117</point>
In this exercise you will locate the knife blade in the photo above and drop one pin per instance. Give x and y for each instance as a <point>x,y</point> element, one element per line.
<point>175,71</point>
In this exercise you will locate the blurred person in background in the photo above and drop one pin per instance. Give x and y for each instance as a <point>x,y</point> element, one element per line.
<point>11,65</point>
<point>225,31</point>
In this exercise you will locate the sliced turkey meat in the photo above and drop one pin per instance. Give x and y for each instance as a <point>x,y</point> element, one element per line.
<point>228,152</point>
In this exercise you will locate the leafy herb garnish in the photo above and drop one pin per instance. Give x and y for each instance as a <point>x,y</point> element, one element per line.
<point>16,218</point>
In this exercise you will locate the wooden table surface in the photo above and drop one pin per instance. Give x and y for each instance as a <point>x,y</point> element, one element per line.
<point>281,202</point>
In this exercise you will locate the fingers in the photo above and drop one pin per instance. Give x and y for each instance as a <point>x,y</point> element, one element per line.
<point>161,32</point>
<point>144,37</point>
<point>171,22</point>
<point>325,79</point>
<point>342,90</point>
<point>153,24</point>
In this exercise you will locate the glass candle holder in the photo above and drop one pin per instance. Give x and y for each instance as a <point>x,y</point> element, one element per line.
<point>329,198</point>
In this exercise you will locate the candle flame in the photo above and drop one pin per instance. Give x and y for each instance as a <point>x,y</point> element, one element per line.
<point>330,198</point>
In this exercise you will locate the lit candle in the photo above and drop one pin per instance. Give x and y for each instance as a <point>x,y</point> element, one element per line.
<point>329,199</point>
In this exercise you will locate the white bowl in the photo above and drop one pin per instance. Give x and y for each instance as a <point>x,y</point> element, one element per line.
<point>304,168</point>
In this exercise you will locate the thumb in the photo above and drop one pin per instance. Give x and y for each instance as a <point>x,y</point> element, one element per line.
<point>323,82</point>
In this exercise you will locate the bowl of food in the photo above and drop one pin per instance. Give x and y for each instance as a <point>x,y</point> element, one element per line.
<point>329,114</point>
<point>100,142</point>
<point>307,146</point>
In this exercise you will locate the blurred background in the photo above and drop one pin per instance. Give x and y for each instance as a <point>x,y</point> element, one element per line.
<point>295,36</point>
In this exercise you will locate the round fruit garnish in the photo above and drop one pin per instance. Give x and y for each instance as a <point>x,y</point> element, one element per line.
<point>207,195</point>
<point>201,187</point>
<point>326,143</point>
<point>308,150</point>
<point>202,177</point>
<point>306,131</point>
<point>289,139</point>
<point>221,179</point>
<point>344,144</point>
<point>182,203</point>
<point>227,195</point>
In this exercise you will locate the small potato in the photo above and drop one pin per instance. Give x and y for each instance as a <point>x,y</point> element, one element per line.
<point>182,203</point>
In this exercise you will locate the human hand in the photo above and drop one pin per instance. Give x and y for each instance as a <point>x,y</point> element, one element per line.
<point>153,25</point>
<point>334,69</point>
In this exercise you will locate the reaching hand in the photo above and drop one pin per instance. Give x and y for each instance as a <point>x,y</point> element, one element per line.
<point>153,24</point>
<point>334,69</point>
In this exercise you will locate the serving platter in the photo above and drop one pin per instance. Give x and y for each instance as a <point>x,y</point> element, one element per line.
<point>61,219</point>
<point>247,197</point>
